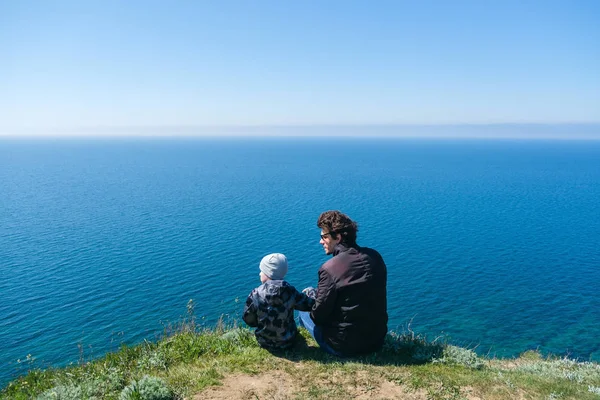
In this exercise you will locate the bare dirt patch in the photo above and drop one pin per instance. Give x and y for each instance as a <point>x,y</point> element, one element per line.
<point>279,385</point>
<point>273,386</point>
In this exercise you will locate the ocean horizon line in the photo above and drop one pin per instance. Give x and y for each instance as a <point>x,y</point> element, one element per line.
<point>512,131</point>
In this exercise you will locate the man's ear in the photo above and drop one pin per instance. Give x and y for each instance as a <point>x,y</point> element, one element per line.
<point>339,237</point>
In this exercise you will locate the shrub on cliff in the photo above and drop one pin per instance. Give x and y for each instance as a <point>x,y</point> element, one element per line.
<point>147,388</point>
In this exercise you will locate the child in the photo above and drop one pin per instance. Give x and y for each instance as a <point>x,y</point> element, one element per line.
<point>270,307</point>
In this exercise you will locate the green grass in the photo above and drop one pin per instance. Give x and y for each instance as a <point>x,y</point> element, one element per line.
<point>186,362</point>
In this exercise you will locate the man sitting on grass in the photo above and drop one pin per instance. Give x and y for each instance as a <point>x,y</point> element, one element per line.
<point>350,312</point>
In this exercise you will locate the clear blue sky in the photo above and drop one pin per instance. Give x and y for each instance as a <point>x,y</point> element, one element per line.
<point>157,63</point>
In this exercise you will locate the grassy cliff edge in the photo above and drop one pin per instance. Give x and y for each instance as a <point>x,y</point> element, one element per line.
<point>205,365</point>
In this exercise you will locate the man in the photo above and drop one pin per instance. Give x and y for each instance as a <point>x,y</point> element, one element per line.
<point>350,312</point>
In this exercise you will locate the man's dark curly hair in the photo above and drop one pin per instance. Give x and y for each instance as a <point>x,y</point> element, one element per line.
<point>338,223</point>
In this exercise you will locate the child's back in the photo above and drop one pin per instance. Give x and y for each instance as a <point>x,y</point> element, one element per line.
<point>270,308</point>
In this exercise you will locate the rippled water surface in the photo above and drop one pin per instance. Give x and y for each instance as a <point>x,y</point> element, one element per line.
<point>494,244</point>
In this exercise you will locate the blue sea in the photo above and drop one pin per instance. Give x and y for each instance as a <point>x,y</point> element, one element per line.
<point>492,244</point>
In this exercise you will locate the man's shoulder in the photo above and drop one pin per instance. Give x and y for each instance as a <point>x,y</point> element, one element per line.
<point>336,265</point>
<point>370,252</point>
<point>348,254</point>
<point>327,265</point>
<point>342,260</point>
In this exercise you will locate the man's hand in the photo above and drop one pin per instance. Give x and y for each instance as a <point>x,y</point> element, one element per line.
<point>310,292</point>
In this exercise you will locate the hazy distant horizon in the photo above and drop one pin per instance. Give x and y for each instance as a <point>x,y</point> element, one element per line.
<point>563,131</point>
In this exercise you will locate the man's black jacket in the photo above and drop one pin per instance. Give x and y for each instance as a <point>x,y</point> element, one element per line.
<point>351,303</point>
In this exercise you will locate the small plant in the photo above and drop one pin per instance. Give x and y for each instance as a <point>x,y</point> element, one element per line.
<point>61,392</point>
<point>220,326</point>
<point>147,388</point>
<point>153,360</point>
<point>594,389</point>
<point>191,312</point>
<point>531,355</point>
<point>460,356</point>
<point>563,368</point>
<point>444,391</point>
<point>416,347</point>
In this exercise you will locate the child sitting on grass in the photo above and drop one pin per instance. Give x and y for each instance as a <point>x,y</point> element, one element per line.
<point>270,307</point>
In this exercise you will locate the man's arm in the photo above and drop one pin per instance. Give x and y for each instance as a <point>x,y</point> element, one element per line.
<point>325,301</point>
<point>249,315</point>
